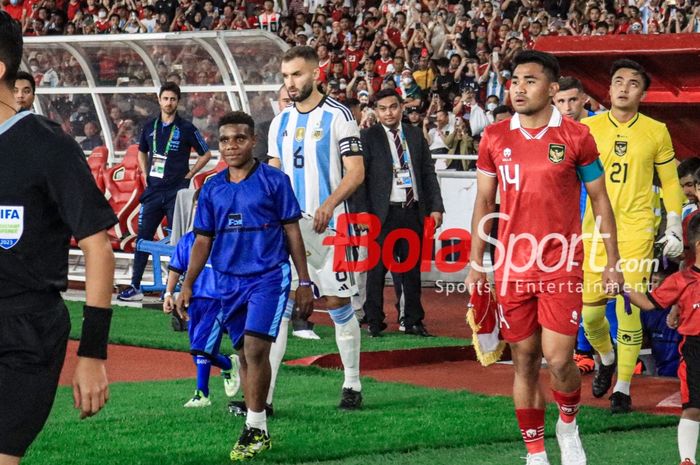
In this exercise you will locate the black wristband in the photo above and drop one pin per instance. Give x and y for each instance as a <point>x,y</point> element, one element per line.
<point>95,332</point>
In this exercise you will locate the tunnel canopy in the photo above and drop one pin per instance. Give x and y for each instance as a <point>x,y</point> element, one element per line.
<point>106,86</point>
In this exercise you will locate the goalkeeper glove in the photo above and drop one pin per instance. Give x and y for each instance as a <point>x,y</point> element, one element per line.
<point>673,236</point>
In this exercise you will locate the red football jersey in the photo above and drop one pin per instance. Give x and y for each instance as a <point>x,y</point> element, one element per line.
<point>323,69</point>
<point>381,67</point>
<point>682,288</point>
<point>540,192</point>
<point>352,60</point>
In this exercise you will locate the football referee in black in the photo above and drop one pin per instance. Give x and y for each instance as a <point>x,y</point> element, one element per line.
<point>46,195</point>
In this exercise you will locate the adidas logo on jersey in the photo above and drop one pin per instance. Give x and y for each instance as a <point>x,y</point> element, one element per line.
<point>344,287</point>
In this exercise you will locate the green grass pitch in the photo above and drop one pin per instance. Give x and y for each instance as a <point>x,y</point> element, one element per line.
<point>145,423</point>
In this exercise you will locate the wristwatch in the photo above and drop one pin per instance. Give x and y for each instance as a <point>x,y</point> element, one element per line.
<point>303,283</point>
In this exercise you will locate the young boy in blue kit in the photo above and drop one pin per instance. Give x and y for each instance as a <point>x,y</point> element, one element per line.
<point>205,325</point>
<point>248,220</point>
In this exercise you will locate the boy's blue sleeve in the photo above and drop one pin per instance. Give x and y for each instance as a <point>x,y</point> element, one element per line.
<point>204,222</point>
<point>286,201</point>
<point>181,258</point>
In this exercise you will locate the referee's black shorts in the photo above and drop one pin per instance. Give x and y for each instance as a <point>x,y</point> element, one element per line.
<point>33,338</point>
<point>689,371</point>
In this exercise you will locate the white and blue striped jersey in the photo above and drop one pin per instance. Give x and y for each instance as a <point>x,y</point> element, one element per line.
<point>311,146</point>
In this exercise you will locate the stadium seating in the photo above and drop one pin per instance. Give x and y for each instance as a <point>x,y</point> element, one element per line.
<point>97,162</point>
<point>123,188</point>
<point>202,177</point>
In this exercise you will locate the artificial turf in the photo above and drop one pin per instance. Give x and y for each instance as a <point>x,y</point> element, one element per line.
<point>151,328</point>
<point>145,423</point>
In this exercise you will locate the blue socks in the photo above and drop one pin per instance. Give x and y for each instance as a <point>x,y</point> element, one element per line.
<point>221,361</point>
<point>203,369</point>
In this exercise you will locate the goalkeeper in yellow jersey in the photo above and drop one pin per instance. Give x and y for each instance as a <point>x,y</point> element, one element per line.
<point>632,146</point>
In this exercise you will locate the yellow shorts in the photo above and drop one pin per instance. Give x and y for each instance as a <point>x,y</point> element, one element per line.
<point>636,265</point>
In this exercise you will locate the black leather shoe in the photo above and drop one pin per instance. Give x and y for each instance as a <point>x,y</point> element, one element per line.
<point>376,331</point>
<point>418,330</point>
<point>620,403</point>
<point>603,379</point>
<point>350,400</point>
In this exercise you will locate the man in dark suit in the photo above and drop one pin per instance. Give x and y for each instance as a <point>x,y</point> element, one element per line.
<point>401,189</point>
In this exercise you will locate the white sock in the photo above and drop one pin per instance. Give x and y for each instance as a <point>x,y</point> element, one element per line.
<point>347,337</point>
<point>539,454</point>
<point>608,359</point>
<point>563,427</point>
<point>277,350</point>
<point>688,438</point>
<point>256,420</point>
<point>622,386</point>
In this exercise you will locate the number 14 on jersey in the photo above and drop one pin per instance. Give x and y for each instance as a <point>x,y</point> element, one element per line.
<point>509,178</point>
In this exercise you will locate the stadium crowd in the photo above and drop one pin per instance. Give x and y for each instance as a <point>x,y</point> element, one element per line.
<point>459,51</point>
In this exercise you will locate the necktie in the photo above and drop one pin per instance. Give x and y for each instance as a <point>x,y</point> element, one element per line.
<point>403,161</point>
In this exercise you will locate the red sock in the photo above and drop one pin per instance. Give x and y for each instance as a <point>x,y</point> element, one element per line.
<point>568,403</point>
<point>531,423</point>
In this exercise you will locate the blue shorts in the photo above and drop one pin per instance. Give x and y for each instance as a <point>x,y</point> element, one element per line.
<point>205,328</point>
<point>254,305</point>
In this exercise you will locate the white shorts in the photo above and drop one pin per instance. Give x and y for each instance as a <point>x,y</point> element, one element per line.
<point>319,260</point>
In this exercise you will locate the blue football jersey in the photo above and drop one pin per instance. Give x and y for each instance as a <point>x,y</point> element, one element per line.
<point>247,220</point>
<point>205,285</point>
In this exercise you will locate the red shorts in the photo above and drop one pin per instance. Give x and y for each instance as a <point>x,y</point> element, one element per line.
<point>525,306</point>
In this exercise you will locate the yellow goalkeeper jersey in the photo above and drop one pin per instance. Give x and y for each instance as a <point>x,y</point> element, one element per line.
<point>630,152</point>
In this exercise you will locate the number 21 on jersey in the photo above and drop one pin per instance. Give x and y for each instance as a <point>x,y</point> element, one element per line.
<point>510,178</point>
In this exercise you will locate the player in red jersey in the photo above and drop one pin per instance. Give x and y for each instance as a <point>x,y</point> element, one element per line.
<point>538,159</point>
<point>683,288</point>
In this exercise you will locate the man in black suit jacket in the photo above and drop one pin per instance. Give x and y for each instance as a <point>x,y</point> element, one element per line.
<point>401,189</point>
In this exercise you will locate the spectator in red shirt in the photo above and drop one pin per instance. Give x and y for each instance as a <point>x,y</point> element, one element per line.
<point>15,9</point>
<point>623,24</point>
<point>395,28</point>
<point>337,10</point>
<point>73,7</point>
<point>337,37</point>
<point>381,65</point>
<point>353,54</point>
<point>324,63</point>
<point>102,22</point>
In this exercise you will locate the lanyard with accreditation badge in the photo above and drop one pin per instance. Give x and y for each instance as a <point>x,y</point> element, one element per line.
<point>158,162</point>
<point>403,176</point>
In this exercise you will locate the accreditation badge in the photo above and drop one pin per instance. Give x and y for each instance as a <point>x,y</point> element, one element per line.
<point>11,225</point>
<point>157,166</point>
<point>402,179</point>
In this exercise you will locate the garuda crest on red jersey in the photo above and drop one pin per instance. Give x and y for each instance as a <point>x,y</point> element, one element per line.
<point>556,153</point>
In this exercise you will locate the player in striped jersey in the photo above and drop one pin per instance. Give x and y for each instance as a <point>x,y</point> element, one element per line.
<point>316,141</point>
